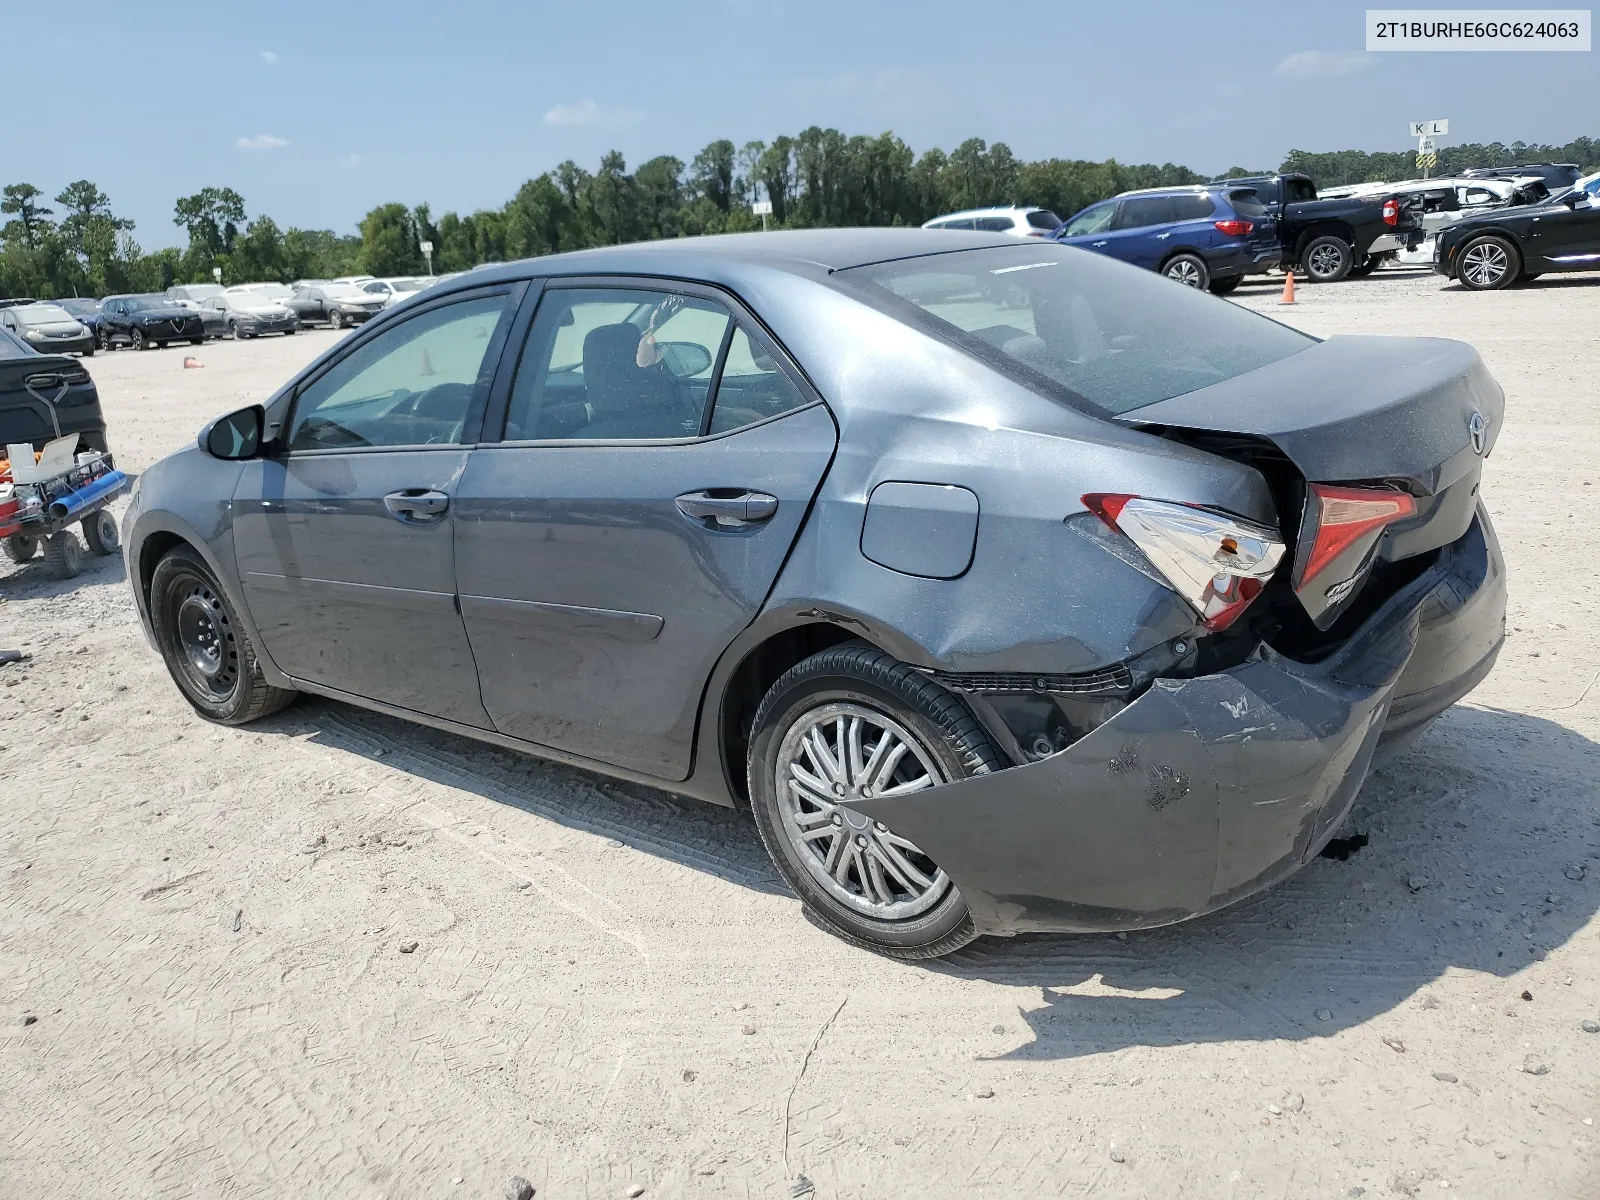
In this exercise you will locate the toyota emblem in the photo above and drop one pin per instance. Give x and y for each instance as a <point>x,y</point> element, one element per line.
<point>1478,428</point>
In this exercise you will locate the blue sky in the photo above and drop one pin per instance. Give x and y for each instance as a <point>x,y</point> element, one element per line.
<point>316,114</point>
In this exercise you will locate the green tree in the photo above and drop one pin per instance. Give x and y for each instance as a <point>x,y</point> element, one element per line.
<point>212,218</point>
<point>32,224</point>
<point>389,241</point>
<point>711,174</point>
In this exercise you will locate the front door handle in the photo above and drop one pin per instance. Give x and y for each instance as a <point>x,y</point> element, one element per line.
<point>416,506</point>
<point>730,508</point>
<point>1097,243</point>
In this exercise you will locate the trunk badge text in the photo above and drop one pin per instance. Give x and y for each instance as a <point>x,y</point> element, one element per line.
<point>1478,427</point>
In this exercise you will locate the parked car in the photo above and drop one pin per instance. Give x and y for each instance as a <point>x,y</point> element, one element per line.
<point>1510,245</point>
<point>48,328</point>
<point>395,290</point>
<point>273,291</point>
<point>142,321</point>
<point>339,304</point>
<point>355,279</point>
<point>247,315</point>
<point>45,396</point>
<point>11,301</point>
<point>1332,239</point>
<point>610,508</point>
<point>1205,237</point>
<point>193,295</point>
<point>86,310</point>
<point>1015,220</point>
<point>1444,201</point>
<point>1558,177</point>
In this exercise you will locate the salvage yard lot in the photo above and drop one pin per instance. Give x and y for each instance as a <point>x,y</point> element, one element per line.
<point>205,988</point>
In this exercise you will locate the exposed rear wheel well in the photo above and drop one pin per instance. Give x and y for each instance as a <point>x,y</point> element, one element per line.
<point>750,681</point>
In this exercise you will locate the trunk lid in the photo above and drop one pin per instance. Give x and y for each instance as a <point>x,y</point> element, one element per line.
<point>1417,414</point>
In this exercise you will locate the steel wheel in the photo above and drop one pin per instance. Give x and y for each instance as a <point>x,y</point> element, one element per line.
<point>849,751</point>
<point>1485,264</point>
<point>205,637</point>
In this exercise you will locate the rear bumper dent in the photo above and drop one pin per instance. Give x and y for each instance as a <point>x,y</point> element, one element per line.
<point>1205,790</point>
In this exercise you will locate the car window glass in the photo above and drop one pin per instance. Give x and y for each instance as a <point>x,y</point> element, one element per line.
<point>752,387</point>
<point>1300,189</point>
<point>1043,219</point>
<point>1247,203</point>
<point>1142,211</point>
<point>1092,220</point>
<point>1194,207</point>
<point>1058,318</point>
<point>993,224</point>
<point>616,363</point>
<point>412,385</point>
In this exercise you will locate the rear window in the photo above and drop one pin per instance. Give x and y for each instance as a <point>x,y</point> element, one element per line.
<point>993,224</point>
<point>1043,219</point>
<point>1247,203</point>
<point>1076,325</point>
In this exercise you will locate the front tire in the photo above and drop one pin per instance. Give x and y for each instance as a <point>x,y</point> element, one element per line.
<point>1488,263</point>
<point>854,721</point>
<point>88,351</point>
<point>205,646</point>
<point>1189,270</point>
<point>138,341</point>
<point>1328,259</point>
<point>336,319</point>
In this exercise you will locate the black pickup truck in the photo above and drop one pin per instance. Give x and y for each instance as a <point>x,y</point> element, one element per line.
<point>1330,240</point>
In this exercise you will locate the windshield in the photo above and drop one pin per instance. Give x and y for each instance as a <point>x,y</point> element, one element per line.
<point>273,291</point>
<point>252,300</point>
<point>343,291</point>
<point>407,285</point>
<point>1077,325</point>
<point>40,314</point>
<point>197,291</point>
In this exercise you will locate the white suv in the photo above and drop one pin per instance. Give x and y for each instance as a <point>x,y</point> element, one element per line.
<point>1022,222</point>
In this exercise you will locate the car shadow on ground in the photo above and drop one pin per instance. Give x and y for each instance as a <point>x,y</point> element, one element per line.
<point>1483,855</point>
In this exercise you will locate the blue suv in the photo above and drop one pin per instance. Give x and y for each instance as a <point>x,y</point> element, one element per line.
<point>1205,237</point>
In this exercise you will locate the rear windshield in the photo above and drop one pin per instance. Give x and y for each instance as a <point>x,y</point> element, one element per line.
<point>1077,325</point>
<point>1043,218</point>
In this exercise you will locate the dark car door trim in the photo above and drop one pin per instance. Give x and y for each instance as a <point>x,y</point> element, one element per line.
<point>494,424</point>
<point>625,626</point>
<point>493,354</point>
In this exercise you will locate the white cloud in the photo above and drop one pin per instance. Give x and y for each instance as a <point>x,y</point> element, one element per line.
<point>1311,63</point>
<point>270,57</point>
<point>350,160</point>
<point>587,112</point>
<point>261,141</point>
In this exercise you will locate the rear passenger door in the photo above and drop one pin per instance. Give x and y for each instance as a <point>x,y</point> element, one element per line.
<point>1142,230</point>
<point>659,455</point>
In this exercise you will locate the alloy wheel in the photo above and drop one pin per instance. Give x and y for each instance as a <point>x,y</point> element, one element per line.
<point>1485,264</point>
<point>843,751</point>
<point>1185,272</point>
<point>1324,261</point>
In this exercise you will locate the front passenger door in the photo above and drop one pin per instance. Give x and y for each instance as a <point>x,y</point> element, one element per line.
<point>343,537</point>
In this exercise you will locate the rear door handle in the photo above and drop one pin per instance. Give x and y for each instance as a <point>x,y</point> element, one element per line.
<point>416,506</point>
<point>731,508</point>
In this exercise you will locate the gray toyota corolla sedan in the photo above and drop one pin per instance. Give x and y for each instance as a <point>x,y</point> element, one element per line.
<point>1010,587</point>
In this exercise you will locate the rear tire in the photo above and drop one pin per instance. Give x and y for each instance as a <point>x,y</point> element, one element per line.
<point>89,353</point>
<point>205,646</point>
<point>1327,259</point>
<point>19,547</point>
<point>1488,263</point>
<point>199,341</point>
<point>100,532</point>
<point>63,555</point>
<point>1189,270</point>
<point>1221,287</point>
<point>890,897</point>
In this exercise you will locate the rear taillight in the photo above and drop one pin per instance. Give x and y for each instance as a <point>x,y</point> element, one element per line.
<point>1217,562</point>
<point>1338,534</point>
<point>1234,228</point>
<point>1391,212</point>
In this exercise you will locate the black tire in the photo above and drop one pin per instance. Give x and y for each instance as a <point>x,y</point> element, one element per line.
<point>89,353</point>
<point>290,332</point>
<point>1327,259</point>
<point>199,341</point>
<point>1528,276</point>
<point>19,547</point>
<point>103,338</point>
<point>948,737</point>
<point>1365,267</point>
<point>1488,263</point>
<point>336,319</point>
<point>1221,287</point>
<point>100,533</point>
<point>1189,270</point>
<point>187,606</point>
<point>63,555</point>
<point>138,341</point>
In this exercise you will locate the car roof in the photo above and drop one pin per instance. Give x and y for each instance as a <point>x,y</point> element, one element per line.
<point>1178,189</point>
<point>998,210</point>
<point>798,251</point>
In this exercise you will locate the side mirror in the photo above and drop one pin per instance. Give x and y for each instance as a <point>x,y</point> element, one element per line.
<point>235,436</point>
<point>684,360</point>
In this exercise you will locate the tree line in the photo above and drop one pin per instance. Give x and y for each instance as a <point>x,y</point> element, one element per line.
<point>77,245</point>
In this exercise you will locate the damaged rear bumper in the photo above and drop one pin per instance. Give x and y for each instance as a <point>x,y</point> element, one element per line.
<point>1205,790</point>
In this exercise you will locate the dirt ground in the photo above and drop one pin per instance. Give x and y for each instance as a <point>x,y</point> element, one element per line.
<point>204,987</point>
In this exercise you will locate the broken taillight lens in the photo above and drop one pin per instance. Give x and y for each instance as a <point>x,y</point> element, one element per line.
<point>1338,534</point>
<point>1217,562</point>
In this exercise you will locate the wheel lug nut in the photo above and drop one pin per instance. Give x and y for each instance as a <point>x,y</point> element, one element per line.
<point>837,819</point>
<point>880,827</point>
<point>838,789</point>
<point>866,793</point>
<point>861,839</point>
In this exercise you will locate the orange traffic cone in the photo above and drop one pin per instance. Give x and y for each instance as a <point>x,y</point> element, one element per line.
<point>190,361</point>
<point>1288,289</point>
